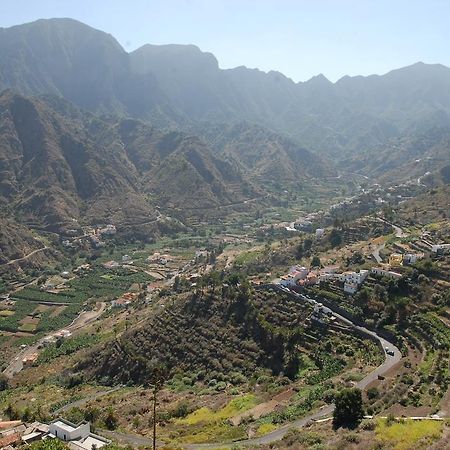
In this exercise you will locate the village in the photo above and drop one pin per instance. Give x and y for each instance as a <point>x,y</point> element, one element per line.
<point>400,255</point>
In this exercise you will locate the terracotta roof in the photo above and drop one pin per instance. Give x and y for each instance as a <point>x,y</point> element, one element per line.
<point>10,424</point>
<point>10,439</point>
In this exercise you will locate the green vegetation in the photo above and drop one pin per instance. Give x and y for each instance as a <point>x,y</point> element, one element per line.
<point>405,434</point>
<point>61,308</point>
<point>48,444</point>
<point>66,347</point>
<point>348,408</point>
<point>234,407</point>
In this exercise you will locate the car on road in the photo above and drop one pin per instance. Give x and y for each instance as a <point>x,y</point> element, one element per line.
<point>389,351</point>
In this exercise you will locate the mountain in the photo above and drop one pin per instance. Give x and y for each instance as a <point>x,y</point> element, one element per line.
<point>18,242</point>
<point>61,166</point>
<point>58,164</point>
<point>178,85</point>
<point>181,171</point>
<point>419,156</point>
<point>264,155</point>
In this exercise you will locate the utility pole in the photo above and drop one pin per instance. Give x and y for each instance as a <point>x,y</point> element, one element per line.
<point>155,391</point>
<point>158,377</point>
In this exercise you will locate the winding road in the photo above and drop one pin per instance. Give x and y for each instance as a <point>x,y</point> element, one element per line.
<point>13,261</point>
<point>83,319</point>
<point>399,232</point>
<point>389,362</point>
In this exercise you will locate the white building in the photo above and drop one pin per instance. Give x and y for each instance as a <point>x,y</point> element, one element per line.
<point>78,436</point>
<point>320,232</point>
<point>350,288</point>
<point>109,230</point>
<point>412,258</point>
<point>126,258</point>
<point>295,274</point>
<point>67,431</point>
<point>299,273</point>
<point>353,277</point>
<point>324,277</point>
<point>440,248</point>
<point>385,273</point>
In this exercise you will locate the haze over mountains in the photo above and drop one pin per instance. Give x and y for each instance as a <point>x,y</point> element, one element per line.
<point>179,83</point>
<point>168,128</point>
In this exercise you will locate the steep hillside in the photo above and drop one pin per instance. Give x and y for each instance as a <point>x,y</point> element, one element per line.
<point>433,206</point>
<point>180,171</point>
<point>180,85</point>
<point>263,154</point>
<point>61,167</point>
<point>18,246</point>
<point>232,330</point>
<point>56,165</point>
<point>413,156</point>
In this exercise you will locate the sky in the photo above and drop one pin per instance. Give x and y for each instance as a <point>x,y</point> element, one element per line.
<point>300,38</point>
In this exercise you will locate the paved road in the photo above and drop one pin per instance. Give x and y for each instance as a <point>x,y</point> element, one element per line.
<point>82,401</point>
<point>388,364</point>
<point>376,253</point>
<point>129,439</point>
<point>399,232</point>
<point>86,317</point>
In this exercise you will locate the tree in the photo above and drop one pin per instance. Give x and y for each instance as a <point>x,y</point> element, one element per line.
<point>11,412</point>
<point>111,421</point>
<point>307,244</point>
<point>4,383</point>
<point>335,237</point>
<point>348,408</point>
<point>315,261</point>
<point>91,414</point>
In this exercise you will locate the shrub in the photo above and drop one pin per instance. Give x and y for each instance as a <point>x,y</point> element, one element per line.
<point>4,384</point>
<point>372,393</point>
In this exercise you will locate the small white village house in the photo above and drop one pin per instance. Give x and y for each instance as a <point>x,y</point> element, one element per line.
<point>385,273</point>
<point>320,232</point>
<point>440,248</point>
<point>78,436</point>
<point>350,287</point>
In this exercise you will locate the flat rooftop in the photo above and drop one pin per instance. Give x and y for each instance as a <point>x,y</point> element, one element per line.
<point>65,426</point>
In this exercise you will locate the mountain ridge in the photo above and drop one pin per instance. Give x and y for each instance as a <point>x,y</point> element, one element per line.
<point>177,85</point>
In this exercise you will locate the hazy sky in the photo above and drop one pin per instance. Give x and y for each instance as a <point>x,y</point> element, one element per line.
<point>300,38</point>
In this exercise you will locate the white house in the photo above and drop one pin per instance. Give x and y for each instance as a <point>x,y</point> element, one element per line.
<point>120,303</point>
<point>320,232</point>
<point>353,277</point>
<point>350,288</point>
<point>67,431</point>
<point>324,277</point>
<point>385,273</point>
<point>299,273</point>
<point>78,436</point>
<point>440,248</point>
<point>412,258</point>
<point>109,230</point>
